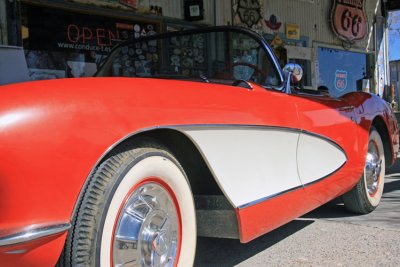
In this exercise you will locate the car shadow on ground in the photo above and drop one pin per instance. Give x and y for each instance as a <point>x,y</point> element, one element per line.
<point>230,252</point>
<point>332,209</point>
<point>335,209</point>
<point>392,185</point>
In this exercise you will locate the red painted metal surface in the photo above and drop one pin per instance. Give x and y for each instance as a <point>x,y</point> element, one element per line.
<point>345,121</point>
<point>40,252</point>
<point>52,133</point>
<point>269,215</point>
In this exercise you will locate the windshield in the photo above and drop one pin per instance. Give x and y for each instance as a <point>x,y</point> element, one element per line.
<point>217,56</point>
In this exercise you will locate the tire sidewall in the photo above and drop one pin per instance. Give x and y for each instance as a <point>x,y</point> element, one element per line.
<point>375,199</point>
<point>136,170</point>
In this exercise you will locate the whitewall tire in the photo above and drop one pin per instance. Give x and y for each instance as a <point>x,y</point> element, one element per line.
<point>367,194</point>
<point>138,209</point>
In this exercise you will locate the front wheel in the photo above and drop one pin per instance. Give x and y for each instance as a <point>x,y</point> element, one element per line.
<point>366,195</point>
<point>138,210</point>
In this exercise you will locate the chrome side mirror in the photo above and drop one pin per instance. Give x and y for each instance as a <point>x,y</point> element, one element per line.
<point>295,72</point>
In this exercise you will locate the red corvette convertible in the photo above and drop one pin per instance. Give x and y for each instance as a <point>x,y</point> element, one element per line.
<point>181,134</point>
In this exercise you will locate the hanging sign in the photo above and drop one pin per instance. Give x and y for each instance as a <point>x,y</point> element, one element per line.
<point>249,12</point>
<point>348,19</point>
<point>292,31</point>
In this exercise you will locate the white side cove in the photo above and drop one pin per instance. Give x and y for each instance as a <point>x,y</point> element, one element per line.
<point>249,163</point>
<point>252,164</point>
<point>317,158</point>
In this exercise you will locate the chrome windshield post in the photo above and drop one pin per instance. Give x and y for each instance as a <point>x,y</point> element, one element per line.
<point>287,88</point>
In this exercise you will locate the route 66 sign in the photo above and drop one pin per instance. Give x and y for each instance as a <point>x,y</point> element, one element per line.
<point>340,80</point>
<point>348,19</point>
<point>249,12</point>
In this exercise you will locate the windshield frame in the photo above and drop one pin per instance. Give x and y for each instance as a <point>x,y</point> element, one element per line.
<point>257,37</point>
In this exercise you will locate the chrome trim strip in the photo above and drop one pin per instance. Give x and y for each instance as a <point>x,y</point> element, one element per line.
<point>268,197</point>
<point>18,251</point>
<point>289,190</point>
<point>326,176</point>
<point>202,127</point>
<point>33,233</point>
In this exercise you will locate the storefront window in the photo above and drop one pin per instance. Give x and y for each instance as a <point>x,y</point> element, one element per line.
<point>342,71</point>
<point>62,44</point>
<point>219,56</point>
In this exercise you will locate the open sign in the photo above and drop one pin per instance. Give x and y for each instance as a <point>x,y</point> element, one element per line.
<point>100,36</point>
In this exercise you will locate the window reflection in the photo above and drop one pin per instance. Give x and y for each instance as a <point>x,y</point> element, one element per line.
<point>217,56</point>
<point>342,71</point>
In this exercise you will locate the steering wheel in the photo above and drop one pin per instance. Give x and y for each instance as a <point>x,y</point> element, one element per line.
<point>257,71</point>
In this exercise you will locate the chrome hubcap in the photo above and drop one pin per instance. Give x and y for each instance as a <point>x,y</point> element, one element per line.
<point>147,229</point>
<point>373,168</point>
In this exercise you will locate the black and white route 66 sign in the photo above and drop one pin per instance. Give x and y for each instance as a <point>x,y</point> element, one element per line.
<point>249,11</point>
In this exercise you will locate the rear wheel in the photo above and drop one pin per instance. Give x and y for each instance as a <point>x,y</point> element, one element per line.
<point>138,210</point>
<point>366,195</point>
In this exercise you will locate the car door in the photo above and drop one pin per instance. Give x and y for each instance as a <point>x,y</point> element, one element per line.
<point>327,145</point>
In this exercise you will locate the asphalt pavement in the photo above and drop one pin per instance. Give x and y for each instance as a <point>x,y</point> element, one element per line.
<point>327,236</point>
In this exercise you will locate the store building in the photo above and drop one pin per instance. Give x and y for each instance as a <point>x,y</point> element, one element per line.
<point>341,44</point>
<point>395,81</point>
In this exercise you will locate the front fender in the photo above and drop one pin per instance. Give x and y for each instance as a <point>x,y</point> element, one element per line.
<point>370,110</point>
<point>53,133</point>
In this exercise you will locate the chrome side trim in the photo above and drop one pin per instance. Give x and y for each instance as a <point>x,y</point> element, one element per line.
<point>326,176</point>
<point>288,191</point>
<point>204,127</point>
<point>255,202</point>
<point>230,126</point>
<point>33,233</point>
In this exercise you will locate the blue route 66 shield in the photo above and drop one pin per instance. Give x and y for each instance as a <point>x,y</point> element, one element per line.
<point>340,80</point>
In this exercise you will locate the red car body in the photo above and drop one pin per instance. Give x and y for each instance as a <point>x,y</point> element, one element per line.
<point>54,133</point>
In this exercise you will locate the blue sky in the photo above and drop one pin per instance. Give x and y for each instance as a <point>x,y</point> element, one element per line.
<point>394,35</point>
